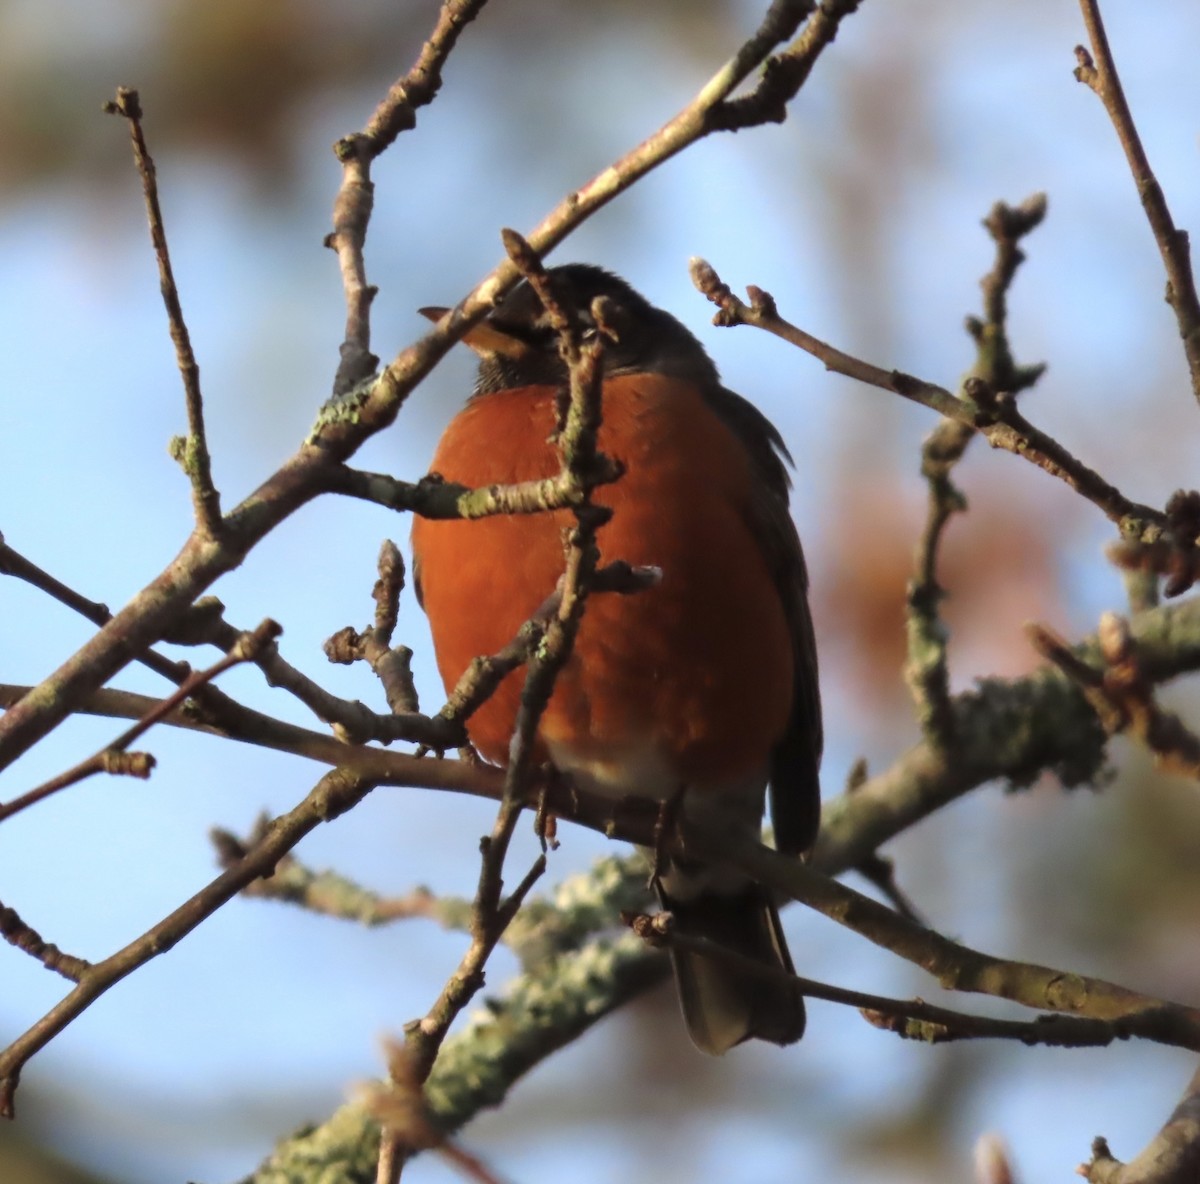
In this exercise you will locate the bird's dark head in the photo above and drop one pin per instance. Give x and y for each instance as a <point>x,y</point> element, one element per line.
<point>518,346</point>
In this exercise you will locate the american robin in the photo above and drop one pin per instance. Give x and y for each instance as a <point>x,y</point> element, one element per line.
<point>704,685</point>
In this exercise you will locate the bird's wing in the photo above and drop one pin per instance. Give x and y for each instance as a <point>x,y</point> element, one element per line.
<point>796,759</point>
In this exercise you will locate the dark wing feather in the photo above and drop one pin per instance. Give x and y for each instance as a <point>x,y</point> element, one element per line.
<point>796,759</point>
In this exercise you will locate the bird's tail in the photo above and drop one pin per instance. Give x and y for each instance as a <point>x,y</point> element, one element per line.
<point>722,1004</point>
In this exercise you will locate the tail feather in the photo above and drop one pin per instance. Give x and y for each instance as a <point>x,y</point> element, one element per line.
<point>722,1004</point>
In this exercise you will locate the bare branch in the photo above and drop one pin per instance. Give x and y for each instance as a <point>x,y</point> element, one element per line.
<point>334,895</point>
<point>784,74</point>
<point>956,967</point>
<point>993,414</point>
<point>1176,555</point>
<point>1100,75</point>
<point>400,1107</point>
<point>192,452</point>
<point>392,666</point>
<point>911,1019</point>
<point>433,498</point>
<point>925,670</point>
<point>114,758</point>
<point>584,466</point>
<point>396,113</point>
<point>17,933</point>
<point>334,794</point>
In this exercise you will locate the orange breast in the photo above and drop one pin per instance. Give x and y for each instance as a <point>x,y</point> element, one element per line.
<point>699,667</point>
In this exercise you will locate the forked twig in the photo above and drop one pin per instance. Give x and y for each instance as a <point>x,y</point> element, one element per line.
<point>114,758</point>
<point>993,414</point>
<point>926,670</point>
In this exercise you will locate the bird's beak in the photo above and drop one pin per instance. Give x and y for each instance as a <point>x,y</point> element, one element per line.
<point>486,338</point>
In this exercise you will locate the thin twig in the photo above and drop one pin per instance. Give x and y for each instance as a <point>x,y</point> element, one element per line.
<point>785,73</point>
<point>585,465</point>
<point>876,869</point>
<point>1099,74</point>
<point>352,207</point>
<point>192,452</point>
<point>911,1019</point>
<point>211,710</point>
<point>1175,556</point>
<point>488,921</point>
<point>926,670</point>
<point>434,498</point>
<point>13,563</point>
<point>955,966</point>
<point>577,441</point>
<point>996,419</point>
<point>485,673</point>
<point>352,721</point>
<point>401,1108</point>
<point>17,933</point>
<point>336,792</point>
<point>392,665</point>
<point>880,870</point>
<point>113,757</point>
<point>332,895</point>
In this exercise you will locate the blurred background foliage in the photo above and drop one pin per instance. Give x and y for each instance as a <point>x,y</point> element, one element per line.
<point>861,214</point>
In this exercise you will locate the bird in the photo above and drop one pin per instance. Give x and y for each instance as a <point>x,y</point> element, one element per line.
<point>700,690</point>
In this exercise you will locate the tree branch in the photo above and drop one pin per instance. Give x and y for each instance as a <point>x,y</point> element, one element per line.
<point>993,414</point>
<point>1171,1157</point>
<point>333,795</point>
<point>192,452</point>
<point>910,1019</point>
<point>396,113</point>
<point>1100,76</point>
<point>114,758</point>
